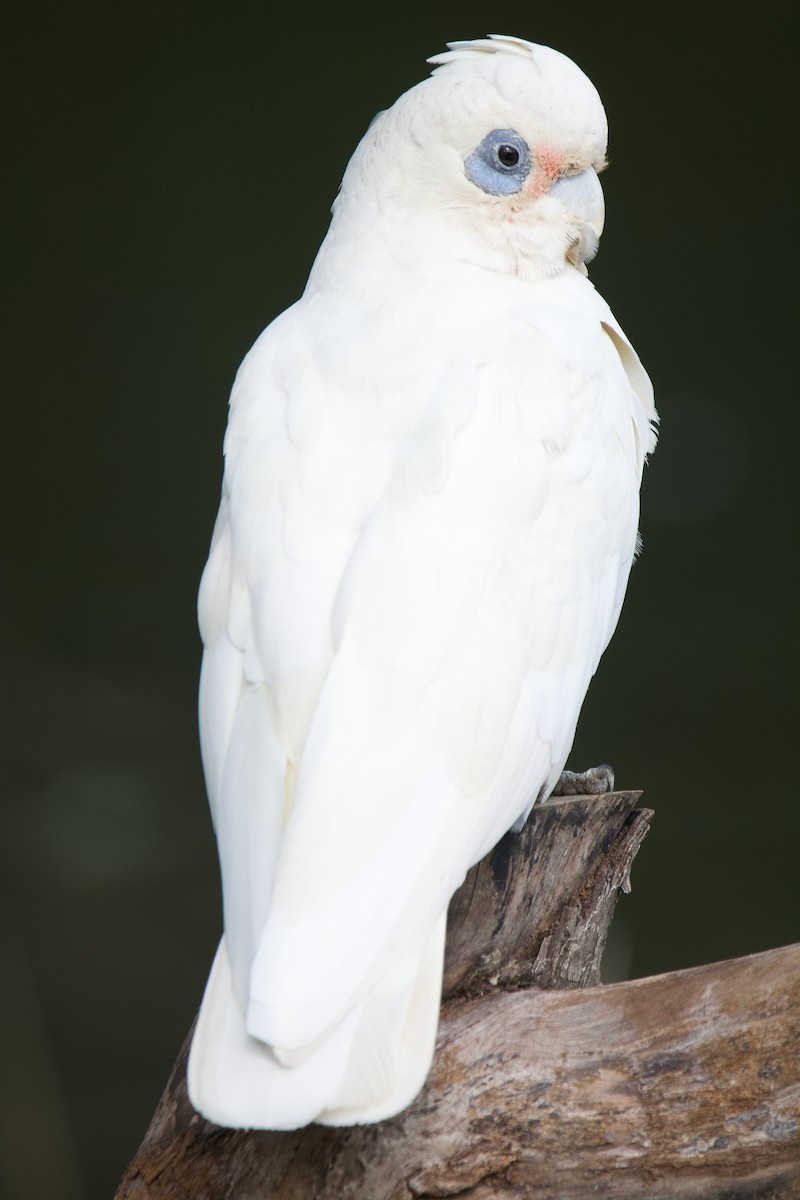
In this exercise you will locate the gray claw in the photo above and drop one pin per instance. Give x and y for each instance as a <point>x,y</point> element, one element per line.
<point>593,782</point>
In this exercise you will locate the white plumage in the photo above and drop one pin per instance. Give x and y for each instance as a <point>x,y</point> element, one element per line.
<point>429,514</point>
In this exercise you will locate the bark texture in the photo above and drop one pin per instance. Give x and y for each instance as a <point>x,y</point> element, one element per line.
<point>682,1085</point>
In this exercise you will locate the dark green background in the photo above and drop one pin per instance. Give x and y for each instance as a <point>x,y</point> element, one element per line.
<point>168,174</point>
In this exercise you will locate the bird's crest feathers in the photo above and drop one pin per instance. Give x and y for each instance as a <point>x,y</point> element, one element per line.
<point>494,44</point>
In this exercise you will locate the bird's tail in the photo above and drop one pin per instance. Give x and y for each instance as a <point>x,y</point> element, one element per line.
<point>369,1067</point>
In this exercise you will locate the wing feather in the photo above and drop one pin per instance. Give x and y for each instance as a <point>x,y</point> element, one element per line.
<point>422,570</point>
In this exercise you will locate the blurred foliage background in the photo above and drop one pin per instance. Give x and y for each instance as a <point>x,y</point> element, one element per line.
<point>167,177</point>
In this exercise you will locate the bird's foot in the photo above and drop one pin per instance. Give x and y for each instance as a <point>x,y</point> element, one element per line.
<point>593,782</point>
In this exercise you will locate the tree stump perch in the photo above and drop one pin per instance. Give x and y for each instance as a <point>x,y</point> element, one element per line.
<point>544,1084</point>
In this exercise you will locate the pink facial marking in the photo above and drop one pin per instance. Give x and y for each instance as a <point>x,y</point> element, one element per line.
<point>547,169</point>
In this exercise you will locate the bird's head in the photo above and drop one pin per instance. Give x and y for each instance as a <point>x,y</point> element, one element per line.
<point>498,152</point>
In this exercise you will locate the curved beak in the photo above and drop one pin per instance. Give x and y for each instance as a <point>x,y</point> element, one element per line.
<point>582,195</point>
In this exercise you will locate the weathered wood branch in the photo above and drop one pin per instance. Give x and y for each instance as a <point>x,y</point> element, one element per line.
<point>683,1085</point>
<point>537,910</point>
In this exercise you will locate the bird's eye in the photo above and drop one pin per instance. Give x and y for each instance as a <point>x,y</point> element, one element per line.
<point>500,163</point>
<point>508,155</point>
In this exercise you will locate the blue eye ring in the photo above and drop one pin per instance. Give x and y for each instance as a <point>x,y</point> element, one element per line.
<point>500,163</point>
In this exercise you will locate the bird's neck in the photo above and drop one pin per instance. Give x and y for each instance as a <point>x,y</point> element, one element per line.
<point>429,244</point>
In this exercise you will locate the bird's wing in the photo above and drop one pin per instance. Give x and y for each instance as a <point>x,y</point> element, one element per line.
<point>413,578</point>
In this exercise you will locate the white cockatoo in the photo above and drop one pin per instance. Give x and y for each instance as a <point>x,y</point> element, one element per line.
<point>429,514</point>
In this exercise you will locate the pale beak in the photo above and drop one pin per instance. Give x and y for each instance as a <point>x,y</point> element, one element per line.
<point>582,195</point>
